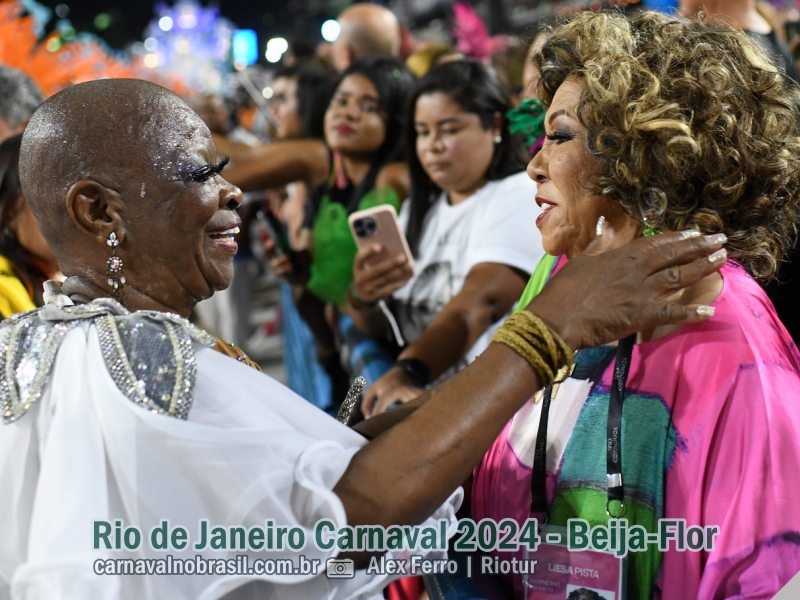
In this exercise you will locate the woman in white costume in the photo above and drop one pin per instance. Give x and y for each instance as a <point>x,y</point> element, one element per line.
<point>117,410</point>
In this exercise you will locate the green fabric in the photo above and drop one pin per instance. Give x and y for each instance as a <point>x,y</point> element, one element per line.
<point>537,281</point>
<point>333,247</point>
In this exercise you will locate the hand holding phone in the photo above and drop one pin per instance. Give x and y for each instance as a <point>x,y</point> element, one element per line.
<point>379,272</point>
<point>286,263</point>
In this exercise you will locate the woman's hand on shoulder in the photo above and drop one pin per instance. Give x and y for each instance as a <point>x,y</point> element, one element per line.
<point>375,277</point>
<point>395,387</point>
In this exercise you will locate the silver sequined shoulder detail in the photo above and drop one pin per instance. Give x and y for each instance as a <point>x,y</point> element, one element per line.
<point>149,355</point>
<point>152,362</point>
<point>28,347</point>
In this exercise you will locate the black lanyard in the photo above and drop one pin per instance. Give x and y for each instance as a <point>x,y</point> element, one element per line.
<point>616,489</point>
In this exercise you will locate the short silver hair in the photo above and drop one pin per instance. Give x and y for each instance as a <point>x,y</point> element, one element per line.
<point>19,97</point>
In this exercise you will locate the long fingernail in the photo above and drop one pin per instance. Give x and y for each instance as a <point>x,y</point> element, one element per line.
<point>704,311</point>
<point>718,255</point>
<point>717,238</point>
<point>598,228</point>
<point>690,233</point>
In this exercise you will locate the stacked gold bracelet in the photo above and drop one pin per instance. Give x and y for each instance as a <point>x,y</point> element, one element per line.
<point>528,336</point>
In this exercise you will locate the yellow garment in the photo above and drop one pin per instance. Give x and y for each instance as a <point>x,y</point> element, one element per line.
<point>14,297</point>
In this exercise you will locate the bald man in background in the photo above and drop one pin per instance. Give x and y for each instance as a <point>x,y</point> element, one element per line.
<point>367,30</point>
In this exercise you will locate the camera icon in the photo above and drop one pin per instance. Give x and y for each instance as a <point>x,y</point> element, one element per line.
<point>340,568</point>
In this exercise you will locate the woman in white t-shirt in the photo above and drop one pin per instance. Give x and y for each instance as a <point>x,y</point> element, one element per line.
<point>470,223</point>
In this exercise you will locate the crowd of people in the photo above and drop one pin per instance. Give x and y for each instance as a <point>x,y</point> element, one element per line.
<point>608,247</point>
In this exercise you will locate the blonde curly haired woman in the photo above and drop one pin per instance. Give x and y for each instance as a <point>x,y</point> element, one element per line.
<point>660,123</point>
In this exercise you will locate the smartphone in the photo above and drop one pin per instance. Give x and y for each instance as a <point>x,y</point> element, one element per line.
<point>379,225</point>
<point>276,231</point>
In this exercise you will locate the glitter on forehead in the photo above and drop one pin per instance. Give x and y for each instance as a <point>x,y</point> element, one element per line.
<point>174,138</point>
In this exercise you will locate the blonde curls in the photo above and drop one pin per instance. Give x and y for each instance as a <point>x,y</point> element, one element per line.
<point>691,125</point>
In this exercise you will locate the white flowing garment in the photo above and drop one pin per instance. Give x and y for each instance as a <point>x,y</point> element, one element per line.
<point>250,450</point>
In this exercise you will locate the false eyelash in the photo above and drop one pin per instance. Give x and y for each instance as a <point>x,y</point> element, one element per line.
<point>559,137</point>
<point>206,172</point>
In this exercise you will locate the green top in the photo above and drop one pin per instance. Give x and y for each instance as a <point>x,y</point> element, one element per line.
<point>535,284</point>
<point>333,246</point>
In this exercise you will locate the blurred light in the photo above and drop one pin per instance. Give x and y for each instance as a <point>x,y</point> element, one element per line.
<point>102,21</point>
<point>151,61</point>
<point>187,18</point>
<point>151,44</point>
<point>53,44</point>
<point>278,44</point>
<point>183,46</point>
<point>61,10</point>
<point>330,30</point>
<point>165,23</point>
<point>267,92</point>
<point>245,47</point>
<point>68,33</point>
<point>272,56</point>
<point>275,49</point>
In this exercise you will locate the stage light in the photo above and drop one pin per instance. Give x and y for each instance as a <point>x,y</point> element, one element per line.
<point>330,30</point>
<point>276,47</point>
<point>245,47</point>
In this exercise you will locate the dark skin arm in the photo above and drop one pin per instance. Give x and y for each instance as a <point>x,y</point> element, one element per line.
<point>281,163</point>
<point>431,452</point>
<point>374,426</point>
<point>236,151</point>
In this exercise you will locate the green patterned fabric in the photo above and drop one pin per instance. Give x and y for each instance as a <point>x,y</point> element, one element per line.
<point>333,247</point>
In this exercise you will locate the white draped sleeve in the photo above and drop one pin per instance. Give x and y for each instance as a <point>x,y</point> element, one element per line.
<point>251,450</point>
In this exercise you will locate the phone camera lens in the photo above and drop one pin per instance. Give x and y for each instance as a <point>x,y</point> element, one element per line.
<point>365,227</point>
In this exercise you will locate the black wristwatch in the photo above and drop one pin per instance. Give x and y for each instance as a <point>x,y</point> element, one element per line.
<point>416,370</point>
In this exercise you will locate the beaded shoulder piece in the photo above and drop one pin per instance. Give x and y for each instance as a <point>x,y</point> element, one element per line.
<point>148,354</point>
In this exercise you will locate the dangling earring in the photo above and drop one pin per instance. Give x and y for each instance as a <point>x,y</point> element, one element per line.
<point>498,138</point>
<point>115,269</point>
<point>650,228</point>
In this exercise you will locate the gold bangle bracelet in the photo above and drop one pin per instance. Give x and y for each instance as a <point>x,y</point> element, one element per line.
<point>529,336</point>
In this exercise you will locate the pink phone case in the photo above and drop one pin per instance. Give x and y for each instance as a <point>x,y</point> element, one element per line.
<point>379,225</point>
